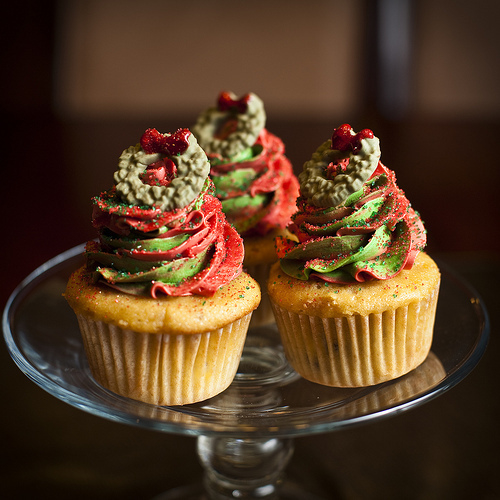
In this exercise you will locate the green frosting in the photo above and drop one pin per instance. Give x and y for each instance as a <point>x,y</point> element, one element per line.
<point>136,243</point>
<point>246,155</point>
<point>343,250</point>
<point>169,272</point>
<point>359,218</point>
<point>245,202</point>
<point>239,180</point>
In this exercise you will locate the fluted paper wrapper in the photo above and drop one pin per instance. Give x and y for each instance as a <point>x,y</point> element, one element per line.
<point>358,351</point>
<point>263,315</point>
<point>163,369</point>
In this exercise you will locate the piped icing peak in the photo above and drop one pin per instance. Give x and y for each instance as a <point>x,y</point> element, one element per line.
<point>253,178</point>
<point>353,223</point>
<point>232,126</point>
<point>339,167</point>
<point>161,229</point>
<point>165,171</point>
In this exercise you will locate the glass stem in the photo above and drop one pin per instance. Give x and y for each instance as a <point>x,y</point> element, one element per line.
<point>243,468</point>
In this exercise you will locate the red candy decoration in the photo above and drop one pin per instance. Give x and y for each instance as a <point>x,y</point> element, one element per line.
<point>334,169</point>
<point>153,141</point>
<point>159,173</point>
<point>226,103</point>
<point>177,143</point>
<point>343,138</point>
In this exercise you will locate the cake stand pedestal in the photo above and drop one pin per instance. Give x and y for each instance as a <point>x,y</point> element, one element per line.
<point>244,435</point>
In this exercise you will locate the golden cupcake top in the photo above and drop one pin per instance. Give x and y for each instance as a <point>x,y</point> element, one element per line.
<point>330,300</point>
<point>164,314</point>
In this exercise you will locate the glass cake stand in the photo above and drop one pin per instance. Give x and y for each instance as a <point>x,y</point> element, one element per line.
<point>245,434</point>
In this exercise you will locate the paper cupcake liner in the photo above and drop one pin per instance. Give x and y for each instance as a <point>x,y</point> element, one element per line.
<point>358,351</point>
<point>263,315</point>
<point>163,369</point>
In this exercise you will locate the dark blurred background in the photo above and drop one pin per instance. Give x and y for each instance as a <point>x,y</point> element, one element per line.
<point>82,79</point>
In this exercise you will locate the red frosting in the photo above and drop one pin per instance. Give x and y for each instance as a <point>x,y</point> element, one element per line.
<point>120,218</point>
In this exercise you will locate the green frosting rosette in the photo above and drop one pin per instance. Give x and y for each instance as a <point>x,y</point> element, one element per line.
<point>161,229</point>
<point>252,176</point>
<point>353,223</point>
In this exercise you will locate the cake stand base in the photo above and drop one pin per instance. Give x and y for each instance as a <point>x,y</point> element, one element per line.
<point>245,434</point>
<point>287,491</point>
<point>248,468</point>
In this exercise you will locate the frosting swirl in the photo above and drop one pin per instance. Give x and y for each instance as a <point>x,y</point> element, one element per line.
<point>373,233</point>
<point>253,178</point>
<point>144,248</point>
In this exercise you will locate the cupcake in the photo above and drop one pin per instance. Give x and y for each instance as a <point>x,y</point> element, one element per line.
<point>253,179</point>
<point>354,296</point>
<point>162,303</point>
